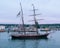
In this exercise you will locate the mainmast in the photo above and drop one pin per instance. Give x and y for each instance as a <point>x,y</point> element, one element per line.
<point>22,18</point>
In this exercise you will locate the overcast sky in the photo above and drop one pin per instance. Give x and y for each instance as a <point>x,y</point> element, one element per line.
<point>49,10</point>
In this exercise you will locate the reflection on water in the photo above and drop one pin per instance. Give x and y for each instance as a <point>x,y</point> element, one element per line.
<point>53,41</point>
<point>29,43</point>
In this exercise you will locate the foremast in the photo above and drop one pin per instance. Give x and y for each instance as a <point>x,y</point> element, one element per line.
<point>34,14</point>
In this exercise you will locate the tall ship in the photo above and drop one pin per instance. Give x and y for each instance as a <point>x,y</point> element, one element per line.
<point>34,33</point>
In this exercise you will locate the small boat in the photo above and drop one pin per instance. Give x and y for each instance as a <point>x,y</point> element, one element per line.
<point>45,29</point>
<point>29,36</point>
<point>2,30</point>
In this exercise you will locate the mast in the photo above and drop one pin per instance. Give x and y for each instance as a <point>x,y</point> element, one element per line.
<point>34,14</point>
<point>22,18</point>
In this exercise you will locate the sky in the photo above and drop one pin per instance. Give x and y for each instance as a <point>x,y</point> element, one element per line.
<point>49,10</point>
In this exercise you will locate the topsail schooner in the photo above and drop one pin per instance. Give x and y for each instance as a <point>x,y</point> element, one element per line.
<point>29,36</point>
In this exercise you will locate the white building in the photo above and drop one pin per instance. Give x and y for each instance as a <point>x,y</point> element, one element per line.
<point>2,27</point>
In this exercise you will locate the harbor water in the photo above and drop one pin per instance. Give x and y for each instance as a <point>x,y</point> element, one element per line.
<point>53,41</point>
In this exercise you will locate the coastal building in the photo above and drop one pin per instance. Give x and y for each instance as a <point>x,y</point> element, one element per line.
<point>2,28</point>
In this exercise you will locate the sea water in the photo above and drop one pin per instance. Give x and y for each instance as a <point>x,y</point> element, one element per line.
<point>53,41</point>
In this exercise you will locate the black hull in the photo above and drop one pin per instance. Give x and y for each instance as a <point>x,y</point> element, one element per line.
<point>30,36</point>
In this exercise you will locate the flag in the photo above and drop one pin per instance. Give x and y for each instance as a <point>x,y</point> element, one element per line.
<point>18,13</point>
